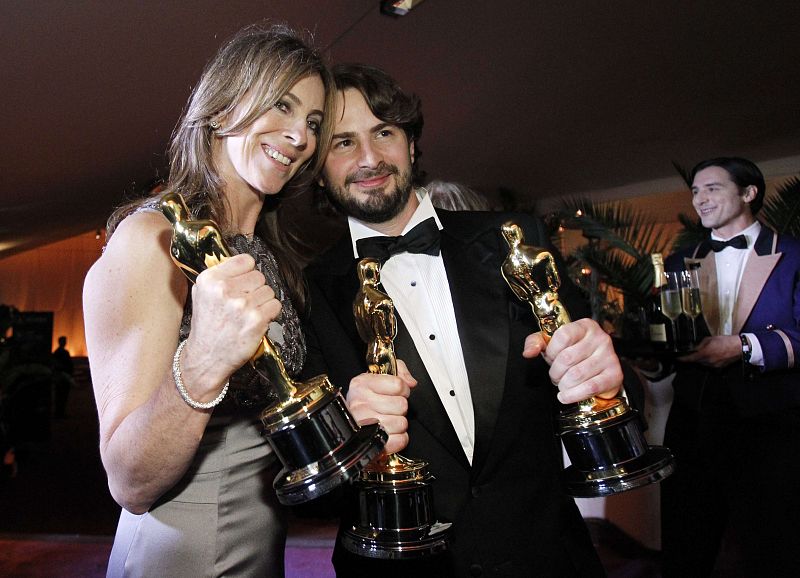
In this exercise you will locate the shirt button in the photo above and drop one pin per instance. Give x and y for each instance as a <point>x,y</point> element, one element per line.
<point>452,393</point>
<point>431,337</point>
<point>476,570</point>
<point>413,283</point>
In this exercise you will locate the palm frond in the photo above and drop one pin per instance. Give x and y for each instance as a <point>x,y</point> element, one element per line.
<point>615,224</point>
<point>620,240</point>
<point>633,278</point>
<point>782,210</point>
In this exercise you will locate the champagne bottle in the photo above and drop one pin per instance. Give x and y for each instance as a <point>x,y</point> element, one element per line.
<point>659,325</point>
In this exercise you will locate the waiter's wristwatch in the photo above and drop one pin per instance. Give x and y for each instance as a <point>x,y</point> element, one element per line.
<point>747,349</point>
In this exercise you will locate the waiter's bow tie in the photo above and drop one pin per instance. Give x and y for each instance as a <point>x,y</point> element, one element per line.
<point>423,238</point>
<point>737,242</point>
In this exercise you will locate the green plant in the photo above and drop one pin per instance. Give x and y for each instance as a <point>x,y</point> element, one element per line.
<point>619,241</point>
<point>781,211</point>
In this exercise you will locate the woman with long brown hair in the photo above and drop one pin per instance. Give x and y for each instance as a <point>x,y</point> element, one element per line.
<point>180,437</point>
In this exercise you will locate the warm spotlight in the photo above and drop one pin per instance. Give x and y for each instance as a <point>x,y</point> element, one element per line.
<point>97,234</point>
<point>399,7</point>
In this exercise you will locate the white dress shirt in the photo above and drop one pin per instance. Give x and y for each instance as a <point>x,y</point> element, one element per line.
<point>730,264</point>
<point>418,286</point>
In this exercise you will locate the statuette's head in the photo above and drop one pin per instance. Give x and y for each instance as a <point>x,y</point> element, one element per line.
<point>369,271</point>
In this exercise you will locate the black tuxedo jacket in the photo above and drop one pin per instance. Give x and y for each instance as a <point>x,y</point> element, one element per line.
<point>509,514</point>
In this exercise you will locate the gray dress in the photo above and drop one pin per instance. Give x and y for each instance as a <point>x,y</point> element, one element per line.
<point>222,518</point>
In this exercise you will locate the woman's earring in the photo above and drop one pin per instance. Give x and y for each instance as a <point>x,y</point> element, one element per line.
<point>214,125</point>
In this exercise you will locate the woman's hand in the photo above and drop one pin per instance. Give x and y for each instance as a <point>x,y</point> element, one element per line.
<point>232,307</point>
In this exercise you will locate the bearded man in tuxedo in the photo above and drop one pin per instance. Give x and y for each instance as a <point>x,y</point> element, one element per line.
<point>474,393</point>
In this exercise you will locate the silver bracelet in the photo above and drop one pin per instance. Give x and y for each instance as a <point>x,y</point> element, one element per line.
<point>176,376</point>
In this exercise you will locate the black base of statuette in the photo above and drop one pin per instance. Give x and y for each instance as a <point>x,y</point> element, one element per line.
<point>655,465</point>
<point>340,466</point>
<point>397,544</point>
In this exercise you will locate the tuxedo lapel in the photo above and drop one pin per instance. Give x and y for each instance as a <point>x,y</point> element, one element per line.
<point>481,311</point>
<point>759,266</point>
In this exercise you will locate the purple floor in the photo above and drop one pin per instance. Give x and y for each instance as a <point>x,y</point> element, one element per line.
<point>307,556</point>
<point>73,556</point>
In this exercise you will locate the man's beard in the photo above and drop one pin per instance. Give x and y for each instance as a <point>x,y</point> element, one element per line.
<point>381,205</point>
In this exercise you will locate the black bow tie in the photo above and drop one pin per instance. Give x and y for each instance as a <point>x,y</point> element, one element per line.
<point>423,238</point>
<point>737,242</point>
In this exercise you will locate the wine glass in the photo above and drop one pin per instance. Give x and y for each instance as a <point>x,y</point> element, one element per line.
<point>671,302</point>
<point>690,298</point>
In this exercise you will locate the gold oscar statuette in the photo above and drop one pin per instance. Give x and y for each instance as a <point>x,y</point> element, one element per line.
<point>393,495</point>
<point>308,424</point>
<point>603,437</point>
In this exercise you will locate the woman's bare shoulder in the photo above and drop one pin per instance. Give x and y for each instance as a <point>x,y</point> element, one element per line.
<point>137,255</point>
<point>140,228</point>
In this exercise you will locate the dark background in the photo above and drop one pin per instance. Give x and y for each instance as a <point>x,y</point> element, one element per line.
<point>541,98</point>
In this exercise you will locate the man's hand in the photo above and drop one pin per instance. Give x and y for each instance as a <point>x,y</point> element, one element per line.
<point>384,397</point>
<point>718,351</point>
<point>582,360</point>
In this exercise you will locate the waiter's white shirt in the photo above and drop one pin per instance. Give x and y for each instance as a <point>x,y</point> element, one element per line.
<point>418,286</point>
<point>730,264</point>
